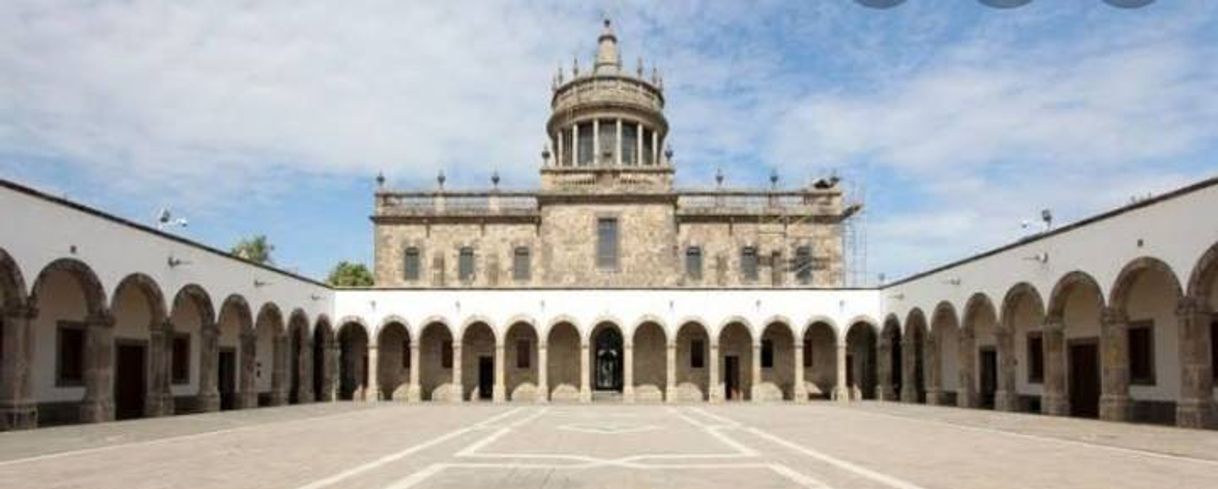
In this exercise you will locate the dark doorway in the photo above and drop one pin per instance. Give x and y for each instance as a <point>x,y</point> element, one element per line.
<point>896,359</point>
<point>850,369</point>
<point>226,383</point>
<point>989,376</point>
<point>319,363</point>
<point>294,369</point>
<point>609,360</point>
<point>486,377</point>
<point>1084,379</point>
<point>129,382</point>
<point>731,378</point>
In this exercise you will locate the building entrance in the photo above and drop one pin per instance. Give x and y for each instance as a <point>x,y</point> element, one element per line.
<point>226,382</point>
<point>731,378</point>
<point>989,377</point>
<point>129,382</point>
<point>609,360</point>
<point>486,377</point>
<point>1084,380</point>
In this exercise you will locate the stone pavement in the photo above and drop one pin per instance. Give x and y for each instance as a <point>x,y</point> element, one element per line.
<point>398,446</point>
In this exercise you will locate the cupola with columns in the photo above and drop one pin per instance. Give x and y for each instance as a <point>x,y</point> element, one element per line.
<point>607,130</point>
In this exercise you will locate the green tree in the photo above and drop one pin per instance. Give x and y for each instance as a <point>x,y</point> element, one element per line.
<point>347,274</point>
<point>256,249</point>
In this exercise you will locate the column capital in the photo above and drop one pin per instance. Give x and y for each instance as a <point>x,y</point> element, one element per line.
<point>102,319</point>
<point>1112,316</point>
<point>17,308</point>
<point>1190,306</point>
<point>209,328</point>
<point>1053,324</point>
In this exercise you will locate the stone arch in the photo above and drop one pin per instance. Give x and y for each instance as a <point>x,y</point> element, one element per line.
<point>980,328</point>
<point>861,342</point>
<point>1021,319</point>
<point>155,299</point>
<point>142,335</point>
<point>21,411</point>
<point>67,292</point>
<point>323,359</point>
<point>393,348</point>
<point>945,329</point>
<point>1075,281</point>
<point>915,351</point>
<point>1144,304</point>
<point>1203,280</point>
<point>521,360</point>
<point>1199,344</point>
<point>437,360</point>
<point>736,348</point>
<point>557,320</point>
<point>299,363</point>
<point>235,324</point>
<point>90,286</point>
<point>392,319</point>
<point>191,311</point>
<point>564,366</point>
<point>693,365</point>
<point>271,360</point>
<point>12,282</point>
<point>718,332</point>
<point>649,342</point>
<point>606,355</point>
<point>353,341</point>
<point>478,319</point>
<point>1077,303</point>
<point>1121,287</point>
<point>778,370</point>
<point>864,319</point>
<point>602,320</point>
<point>646,319</point>
<point>478,341</point>
<point>889,359</point>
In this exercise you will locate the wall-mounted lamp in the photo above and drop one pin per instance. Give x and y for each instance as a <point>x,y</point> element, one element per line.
<point>899,297</point>
<point>1042,258</point>
<point>260,283</point>
<point>314,297</point>
<point>175,262</point>
<point>953,281</point>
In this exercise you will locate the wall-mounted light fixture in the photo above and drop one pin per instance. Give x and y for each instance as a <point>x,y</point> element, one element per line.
<point>955,281</point>
<point>175,262</point>
<point>260,284</point>
<point>1041,258</point>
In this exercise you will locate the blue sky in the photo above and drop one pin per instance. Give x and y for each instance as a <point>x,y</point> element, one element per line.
<point>955,121</point>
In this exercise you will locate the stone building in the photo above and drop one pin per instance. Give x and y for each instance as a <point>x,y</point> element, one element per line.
<point>607,213</point>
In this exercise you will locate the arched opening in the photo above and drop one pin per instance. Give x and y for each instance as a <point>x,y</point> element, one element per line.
<point>193,353</point>
<point>914,362</point>
<point>890,360</point>
<point>233,369</point>
<point>945,328</point>
<point>18,409</point>
<point>1022,359</point>
<point>300,359</point>
<point>521,362</point>
<point>1199,337</point>
<point>436,363</point>
<point>352,361</point>
<point>861,360</point>
<point>269,366</point>
<point>478,362</point>
<point>650,369</point>
<point>1145,296</point>
<point>1077,304</point>
<point>142,350</point>
<point>693,369</point>
<point>323,360</point>
<point>607,361</point>
<point>736,361</point>
<point>777,363</point>
<point>71,306</point>
<point>982,362</point>
<point>393,357</point>
<point>563,371</point>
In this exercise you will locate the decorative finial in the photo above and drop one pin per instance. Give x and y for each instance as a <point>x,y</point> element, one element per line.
<point>545,154</point>
<point>440,178</point>
<point>668,153</point>
<point>719,177</point>
<point>380,179</point>
<point>575,67</point>
<point>560,80</point>
<point>774,178</point>
<point>640,69</point>
<point>495,178</point>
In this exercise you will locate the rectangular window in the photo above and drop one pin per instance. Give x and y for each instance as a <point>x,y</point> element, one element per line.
<point>608,139</point>
<point>693,263</point>
<point>630,143</point>
<point>767,353</point>
<point>446,355</point>
<point>465,265</point>
<point>1142,353</point>
<point>748,264</point>
<point>180,367</point>
<point>807,353</point>
<point>803,265</point>
<point>413,268</point>
<point>648,148</point>
<point>70,357</point>
<point>606,243</point>
<point>585,150</point>
<point>520,264</point>
<point>697,354</point>
<point>523,354</point>
<point>1036,358</point>
<point>405,353</point>
<point>568,151</point>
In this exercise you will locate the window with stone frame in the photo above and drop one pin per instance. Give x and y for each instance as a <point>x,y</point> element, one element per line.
<point>648,148</point>
<point>585,153</point>
<point>767,353</point>
<point>697,354</point>
<point>521,264</point>
<point>693,263</point>
<point>630,143</point>
<point>465,264</point>
<point>1036,358</point>
<point>1142,352</point>
<point>803,265</point>
<point>807,352</point>
<point>749,264</point>
<point>523,355</point>
<point>70,354</point>
<point>446,354</point>
<point>180,359</point>
<point>606,243</point>
<point>606,154</point>
<point>406,353</point>
<point>412,266</point>
<point>568,150</point>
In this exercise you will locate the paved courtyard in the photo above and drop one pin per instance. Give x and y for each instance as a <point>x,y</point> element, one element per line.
<point>396,446</point>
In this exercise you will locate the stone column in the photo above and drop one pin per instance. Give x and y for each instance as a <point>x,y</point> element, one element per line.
<point>585,372</point>
<point>373,389</point>
<point>617,145</point>
<point>158,399</point>
<point>801,389</point>
<point>934,372</point>
<point>98,403</point>
<point>499,391</point>
<point>1195,407</point>
<point>304,371</point>
<point>909,368</point>
<point>458,390</point>
<point>415,392</point>
<point>1054,401</point>
<point>713,385</point>
<point>841,392</point>
<point>966,393</point>
<point>18,408</point>
<point>884,390</point>
<point>1114,365</point>
<point>1006,398</point>
<point>574,144</point>
<point>247,393</point>
<point>638,140</point>
<point>279,370</point>
<point>543,374</point>
<point>670,373</point>
<point>756,387</point>
<point>209,355</point>
<point>596,142</point>
<point>628,370</point>
<point>333,370</point>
